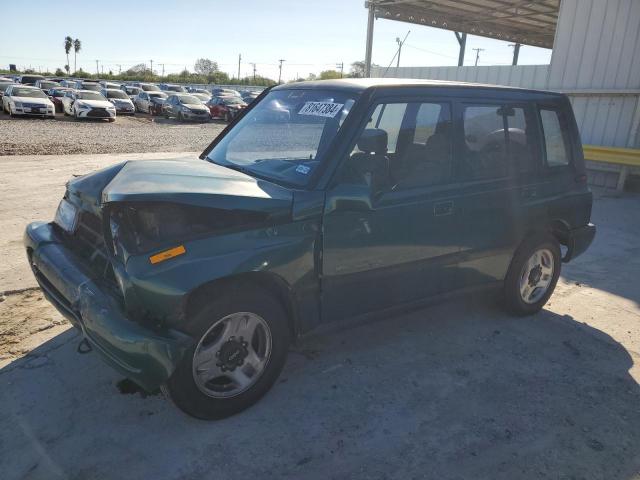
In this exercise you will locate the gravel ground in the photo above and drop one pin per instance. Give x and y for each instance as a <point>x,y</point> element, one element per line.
<point>65,135</point>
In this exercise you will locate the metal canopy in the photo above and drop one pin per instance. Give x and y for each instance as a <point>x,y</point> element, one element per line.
<point>531,22</point>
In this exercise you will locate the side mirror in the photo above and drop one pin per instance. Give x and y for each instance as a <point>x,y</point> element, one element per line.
<point>349,197</point>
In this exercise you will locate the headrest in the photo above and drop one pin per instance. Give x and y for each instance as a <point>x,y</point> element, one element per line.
<point>373,140</point>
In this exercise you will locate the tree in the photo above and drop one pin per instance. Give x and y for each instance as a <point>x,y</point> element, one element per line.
<point>77,45</point>
<point>66,67</point>
<point>136,69</point>
<point>68,43</point>
<point>204,66</point>
<point>329,74</point>
<point>357,69</point>
<point>59,72</point>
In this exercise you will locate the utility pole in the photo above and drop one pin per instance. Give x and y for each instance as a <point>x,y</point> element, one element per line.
<point>341,67</point>
<point>151,66</point>
<point>119,69</point>
<point>516,52</point>
<point>102,68</point>
<point>239,60</point>
<point>478,50</point>
<point>254,72</point>
<point>162,69</point>
<point>400,43</point>
<point>280,74</point>
<point>97,69</point>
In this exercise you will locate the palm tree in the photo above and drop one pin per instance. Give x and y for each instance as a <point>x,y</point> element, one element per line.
<point>77,45</point>
<point>68,43</point>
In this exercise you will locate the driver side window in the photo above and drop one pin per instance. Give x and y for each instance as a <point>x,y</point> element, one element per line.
<point>403,146</point>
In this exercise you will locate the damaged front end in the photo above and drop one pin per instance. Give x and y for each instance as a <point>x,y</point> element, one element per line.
<point>104,263</point>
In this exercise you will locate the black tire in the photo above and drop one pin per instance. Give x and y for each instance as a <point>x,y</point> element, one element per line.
<point>182,389</point>
<point>513,298</point>
<point>228,117</point>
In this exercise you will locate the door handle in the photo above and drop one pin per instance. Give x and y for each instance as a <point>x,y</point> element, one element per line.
<point>443,208</point>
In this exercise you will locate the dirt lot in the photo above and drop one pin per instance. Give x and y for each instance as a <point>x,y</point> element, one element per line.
<point>458,390</point>
<point>65,135</point>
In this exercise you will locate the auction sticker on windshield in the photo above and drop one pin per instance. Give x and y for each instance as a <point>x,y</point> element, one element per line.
<point>321,109</point>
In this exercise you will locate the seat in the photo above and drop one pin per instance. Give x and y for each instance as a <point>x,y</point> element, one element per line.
<point>370,165</point>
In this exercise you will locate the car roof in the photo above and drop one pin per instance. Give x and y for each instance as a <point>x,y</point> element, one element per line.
<point>358,85</point>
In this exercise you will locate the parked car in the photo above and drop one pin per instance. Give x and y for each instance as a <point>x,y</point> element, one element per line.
<point>373,195</point>
<point>249,97</point>
<point>88,104</point>
<point>173,88</point>
<point>199,90</point>
<point>203,97</point>
<point>88,85</point>
<point>4,84</point>
<point>184,106</point>
<point>224,92</point>
<point>19,99</point>
<point>120,100</point>
<point>56,95</point>
<point>131,91</point>
<point>147,87</point>
<point>30,79</point>
<point>45,85</point>
<point>225,108</point>
<point>110,85</point>
<point>68,83</point>
<point>150,102</point>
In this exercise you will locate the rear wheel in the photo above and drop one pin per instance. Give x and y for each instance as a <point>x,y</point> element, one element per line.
<point>533,275</point>
<point>240,347</point>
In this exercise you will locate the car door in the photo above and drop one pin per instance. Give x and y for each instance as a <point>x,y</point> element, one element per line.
<point>391,232</point>
<point>498,169</point>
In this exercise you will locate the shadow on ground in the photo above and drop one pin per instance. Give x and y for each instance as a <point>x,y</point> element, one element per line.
<point>450,392</point>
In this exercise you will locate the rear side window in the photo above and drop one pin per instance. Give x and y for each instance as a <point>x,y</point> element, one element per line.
<point>555,145</point>
<point>497,143</point>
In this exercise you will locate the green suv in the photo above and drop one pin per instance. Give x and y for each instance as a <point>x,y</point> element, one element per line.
<point>320,201</point>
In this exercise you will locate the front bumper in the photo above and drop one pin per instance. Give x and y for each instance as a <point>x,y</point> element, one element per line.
<point>96,113</point>
<point>145,356</point>
<point>200,115</point>
<point>578,240</point>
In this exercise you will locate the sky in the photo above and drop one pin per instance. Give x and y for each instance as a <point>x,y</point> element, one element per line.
<point>310,36</point>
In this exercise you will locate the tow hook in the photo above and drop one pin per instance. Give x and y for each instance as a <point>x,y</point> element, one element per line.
<point>84,346</point>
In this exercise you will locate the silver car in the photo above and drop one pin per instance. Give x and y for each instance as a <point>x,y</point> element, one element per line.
<point>120,100</point>
<point>150,102</point>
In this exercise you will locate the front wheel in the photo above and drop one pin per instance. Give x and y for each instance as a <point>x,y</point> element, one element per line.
<point>533,275</point>
<point>240,347</point>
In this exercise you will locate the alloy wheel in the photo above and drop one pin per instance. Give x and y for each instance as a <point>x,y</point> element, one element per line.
<point>231,355</point>
<point>536,275</point>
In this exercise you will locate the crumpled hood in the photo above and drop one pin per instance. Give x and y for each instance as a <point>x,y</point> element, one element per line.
<point>195,182</point>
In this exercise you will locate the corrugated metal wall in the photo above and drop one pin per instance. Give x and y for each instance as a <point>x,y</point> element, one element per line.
<point>596,60</point>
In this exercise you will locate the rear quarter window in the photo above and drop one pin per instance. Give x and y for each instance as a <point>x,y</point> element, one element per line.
<point>555,138</point>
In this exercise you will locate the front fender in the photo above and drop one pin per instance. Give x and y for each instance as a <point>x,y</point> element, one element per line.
<point>288,251</point>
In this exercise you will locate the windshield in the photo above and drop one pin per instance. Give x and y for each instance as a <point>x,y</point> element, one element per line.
<point>47,85</point>
<point>149,88</point>
<point>96,87</point>
<point>4,86</point>
<point>175,88</point>
<point>117,94</point>
<point>284,137</point>
<point>90,96</point>
<point>28,92</point>
<point>190,100</point>
<point>157,95</point>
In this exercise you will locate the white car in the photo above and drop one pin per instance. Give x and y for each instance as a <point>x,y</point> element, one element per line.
<point>88,104</point>
<point>24,100</point>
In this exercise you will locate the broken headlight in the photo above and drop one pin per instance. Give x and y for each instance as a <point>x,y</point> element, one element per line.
<point>142,227</point>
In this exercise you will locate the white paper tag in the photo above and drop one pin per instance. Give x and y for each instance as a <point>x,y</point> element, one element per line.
<point>321,109</point>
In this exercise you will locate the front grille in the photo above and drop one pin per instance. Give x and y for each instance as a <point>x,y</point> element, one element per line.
<point>97,112</point>
<point>88,243</point>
